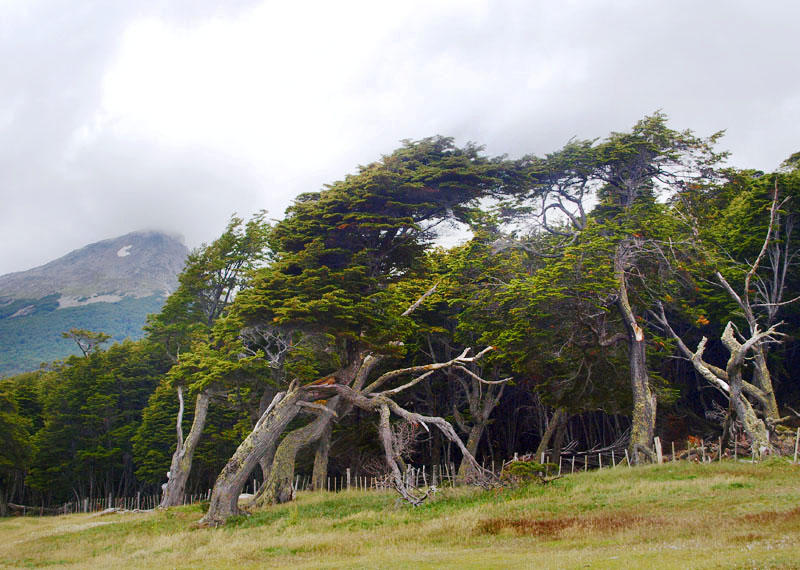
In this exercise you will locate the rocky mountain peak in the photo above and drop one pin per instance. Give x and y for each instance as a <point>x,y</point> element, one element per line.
<point>138,264</point>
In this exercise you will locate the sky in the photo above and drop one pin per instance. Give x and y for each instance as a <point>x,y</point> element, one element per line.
<point>173,115</point>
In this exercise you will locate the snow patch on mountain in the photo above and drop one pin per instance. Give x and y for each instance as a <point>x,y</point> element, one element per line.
<point>125,251</point>
<point>69,301</point>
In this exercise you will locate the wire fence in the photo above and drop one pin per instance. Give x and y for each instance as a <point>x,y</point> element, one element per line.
<point>616,455</point>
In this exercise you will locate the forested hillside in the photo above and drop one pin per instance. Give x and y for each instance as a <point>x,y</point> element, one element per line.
<point>610,292</point>
<point>108,286</point>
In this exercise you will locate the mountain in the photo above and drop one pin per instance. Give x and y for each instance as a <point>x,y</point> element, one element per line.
<point>108,286</point>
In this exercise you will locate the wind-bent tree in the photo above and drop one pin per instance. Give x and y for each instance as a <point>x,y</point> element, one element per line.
<point>212,276</point>
<point>339,257</point>
<point>625,173</point>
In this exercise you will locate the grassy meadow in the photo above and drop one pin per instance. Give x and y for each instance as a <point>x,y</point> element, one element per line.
<point>679,515</point>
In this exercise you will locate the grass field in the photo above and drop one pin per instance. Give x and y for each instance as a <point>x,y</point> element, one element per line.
<point>682,515</point>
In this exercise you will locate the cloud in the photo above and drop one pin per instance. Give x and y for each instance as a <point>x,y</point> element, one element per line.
<point>174,114</point>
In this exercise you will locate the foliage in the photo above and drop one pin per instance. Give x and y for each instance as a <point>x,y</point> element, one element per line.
<point>91,408</point>
<point>338,251</point>
<point>212,276</point>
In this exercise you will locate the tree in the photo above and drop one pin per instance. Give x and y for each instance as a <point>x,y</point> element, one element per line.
<point>210,280</point>
<point>16,450</point>
<point>758,301</point>
<point>625,172</point>
<point>92,407</point>
<point>87,341</point>
<point>339,255</point>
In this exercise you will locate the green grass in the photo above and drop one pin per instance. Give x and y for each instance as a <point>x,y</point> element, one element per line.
<point>720,516</point>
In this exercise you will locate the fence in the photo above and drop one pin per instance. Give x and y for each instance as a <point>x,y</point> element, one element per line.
<point>138,502</point>
<point>615,455</point>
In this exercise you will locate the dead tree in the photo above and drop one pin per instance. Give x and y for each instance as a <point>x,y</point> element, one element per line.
<point>767,294</point>
<point>180,467</point>
<point>384,406</point>
<point>286,406</point>
<point>482,397</point>
<point>730,380</point>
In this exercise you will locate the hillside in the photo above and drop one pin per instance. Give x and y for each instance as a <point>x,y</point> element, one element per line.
<point>108,286</point>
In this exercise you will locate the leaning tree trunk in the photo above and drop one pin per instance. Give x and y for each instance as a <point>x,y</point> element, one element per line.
<point>473,441</point>
<point>643,421</point>
<point>320,474</point>
<point>181,466</point>
<point>551,430</point>
<point>279,487</point>
<point>225,495</point>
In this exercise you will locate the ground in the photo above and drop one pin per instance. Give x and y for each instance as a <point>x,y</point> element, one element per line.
<point>680,515</point>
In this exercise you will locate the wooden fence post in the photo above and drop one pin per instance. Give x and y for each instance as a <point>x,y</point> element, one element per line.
<point>796,442</point>
<point>659,454</point>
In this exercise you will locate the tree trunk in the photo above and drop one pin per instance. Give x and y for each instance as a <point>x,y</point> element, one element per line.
<point>762,379</point>
<point>279,488</point>
<point>552,425</point>
<point>473,441</point>
<point>3,502</point>
<point>225,495</point>
<point>643,420</point>
<point>558,439</point>
<point>753,426</point>
<point>320,474</point>
<point>436,451</point>
<point>181,466</point>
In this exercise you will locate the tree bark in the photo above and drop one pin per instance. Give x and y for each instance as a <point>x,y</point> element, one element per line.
<point>552,428</point>
<point>279,488</point>
<point>643,420</point>
<point>763,379</point>
<point>320,474</point>
<point>181,465</point>
<point>558,439</point>
<point>225,495</point>
<point>473,441</point>
<point>753,426</point>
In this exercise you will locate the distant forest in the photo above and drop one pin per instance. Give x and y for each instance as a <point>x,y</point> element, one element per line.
<point>35,339</point>
<point>610,292</point>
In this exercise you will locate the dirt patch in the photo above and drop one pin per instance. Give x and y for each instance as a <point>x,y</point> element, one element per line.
<point>548,528</point>
<point>766,517</point>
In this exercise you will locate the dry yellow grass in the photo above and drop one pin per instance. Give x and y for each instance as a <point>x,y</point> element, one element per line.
<point>674,516</point>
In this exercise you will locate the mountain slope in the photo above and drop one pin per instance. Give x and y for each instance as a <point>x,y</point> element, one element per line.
<point>108,286</point>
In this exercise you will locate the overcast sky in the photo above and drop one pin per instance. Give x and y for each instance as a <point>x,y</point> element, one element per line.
<point>172,115</point>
